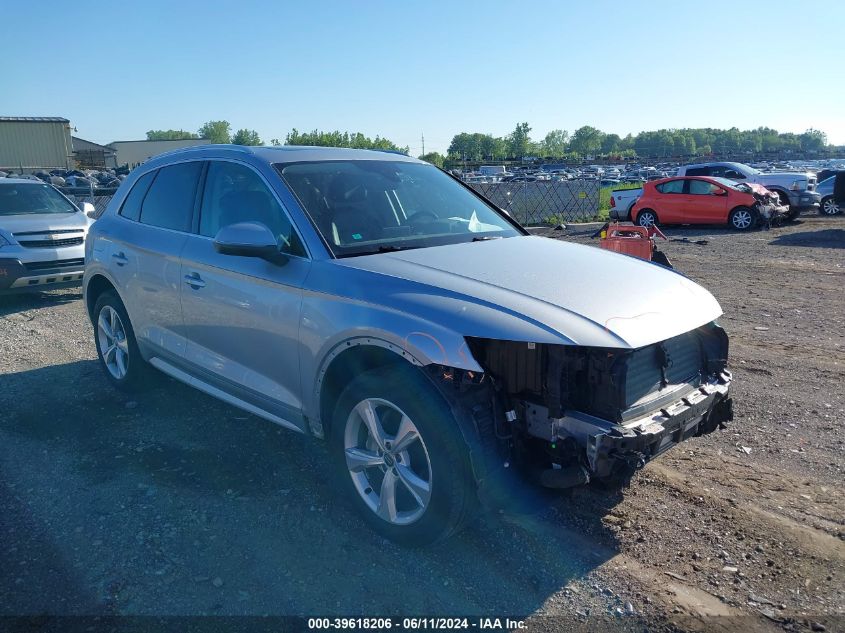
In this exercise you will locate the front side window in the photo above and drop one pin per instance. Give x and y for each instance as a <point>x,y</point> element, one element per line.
<point>733,174</point>
<point>672,186</point>
<point>703,188</point>
<point>169,203</point>
<point>362,207</point>
<point>235,193</point>
<point>28,199</point>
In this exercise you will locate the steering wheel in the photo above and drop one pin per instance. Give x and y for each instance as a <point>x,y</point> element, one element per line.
<point>425,213</point>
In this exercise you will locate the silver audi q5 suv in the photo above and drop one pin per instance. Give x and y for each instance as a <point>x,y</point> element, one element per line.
<point>373,301</point>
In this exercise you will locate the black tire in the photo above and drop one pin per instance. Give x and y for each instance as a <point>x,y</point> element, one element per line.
<point>644,214</point>
<point>742,219</point>
<point>829,207</point>
<point>138,375</point>
<point>453,497</point>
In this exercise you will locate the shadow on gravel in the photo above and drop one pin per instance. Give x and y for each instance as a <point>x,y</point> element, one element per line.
<point>826,238</point>
<point>191,506</point>
<point>35,300</point>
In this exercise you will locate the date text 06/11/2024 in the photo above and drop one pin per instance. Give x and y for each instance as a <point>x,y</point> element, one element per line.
<point>415,624</point>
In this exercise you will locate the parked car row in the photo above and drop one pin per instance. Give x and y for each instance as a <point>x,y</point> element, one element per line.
<point>74,178</point>
<point>731,193</point>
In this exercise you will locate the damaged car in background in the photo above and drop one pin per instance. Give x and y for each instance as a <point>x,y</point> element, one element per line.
<point>371,300</point>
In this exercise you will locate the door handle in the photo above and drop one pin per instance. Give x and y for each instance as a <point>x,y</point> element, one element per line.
<point>194,281</point>
<point>120,258</point>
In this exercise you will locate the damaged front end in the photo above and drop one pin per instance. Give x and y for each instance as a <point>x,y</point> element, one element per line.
<point>567,414</point>
<point>768,203</point>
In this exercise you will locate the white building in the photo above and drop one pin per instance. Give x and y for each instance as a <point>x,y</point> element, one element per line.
<point>133,153</point>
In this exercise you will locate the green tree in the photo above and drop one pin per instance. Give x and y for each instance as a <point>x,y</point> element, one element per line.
<point>355,140</point>
<point>586,140</point>
<point>519,140</point>
<point>246,137</point>
<point>555,143</point>
<point>611,144</point>
<point>813,140</point>
<point>169,135</point>
<point>216,131</point>
<point>435,158</point>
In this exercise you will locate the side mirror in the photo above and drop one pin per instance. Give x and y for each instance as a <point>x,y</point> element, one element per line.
<point>249,239</point>
<point>720,192</point>
<point>89,210</point>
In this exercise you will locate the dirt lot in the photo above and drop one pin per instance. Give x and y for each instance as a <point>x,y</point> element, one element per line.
<point>175,504</point>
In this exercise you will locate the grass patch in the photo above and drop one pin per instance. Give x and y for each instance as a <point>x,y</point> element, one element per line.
<point>604,195</point>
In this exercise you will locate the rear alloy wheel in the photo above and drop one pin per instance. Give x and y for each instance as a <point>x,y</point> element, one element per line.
<point>742,218</point>
<point>647,218</point>
<point>400,457</point>
<point>828,206</point>
<point>117,349</point>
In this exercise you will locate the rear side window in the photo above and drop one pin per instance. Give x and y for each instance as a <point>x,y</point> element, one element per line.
<point>699,171</point>
<point>169,203</point>
<point>132,205</point>
<point>673,186</point>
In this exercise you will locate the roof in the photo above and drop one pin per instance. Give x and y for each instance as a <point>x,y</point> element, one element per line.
<point>81,143</point>
<point>35,119</point>
<point>290,153</point>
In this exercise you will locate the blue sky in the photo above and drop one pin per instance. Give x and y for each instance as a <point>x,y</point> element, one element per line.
<point>402,68</point>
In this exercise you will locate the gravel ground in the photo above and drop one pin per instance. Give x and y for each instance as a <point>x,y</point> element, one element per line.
<point>172,503</point>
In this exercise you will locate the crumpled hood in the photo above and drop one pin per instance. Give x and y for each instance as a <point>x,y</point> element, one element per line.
<point>28,222</point>
<point>583,294</point>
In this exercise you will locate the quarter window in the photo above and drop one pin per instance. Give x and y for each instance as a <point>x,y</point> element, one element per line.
<point>169,203</point>
<point>673,186</point>
<point>235,193</point>
<point>132,205</point>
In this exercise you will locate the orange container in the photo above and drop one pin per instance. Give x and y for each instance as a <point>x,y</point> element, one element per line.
<point>631,240</point>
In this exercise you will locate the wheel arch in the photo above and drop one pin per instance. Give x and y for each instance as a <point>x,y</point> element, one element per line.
<point>96,286</point>
<point>342,364</point>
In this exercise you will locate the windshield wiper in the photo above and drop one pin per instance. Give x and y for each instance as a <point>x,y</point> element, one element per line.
<point>383,248</point>
<point>485,238</point>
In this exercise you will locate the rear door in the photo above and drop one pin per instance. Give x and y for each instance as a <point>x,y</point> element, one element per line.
<point>707,203</point>
<point>241,314</point>
<point>671,200</point>
<point>146,258</point>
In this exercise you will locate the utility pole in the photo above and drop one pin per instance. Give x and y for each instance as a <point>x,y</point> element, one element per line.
<point>423,144</point>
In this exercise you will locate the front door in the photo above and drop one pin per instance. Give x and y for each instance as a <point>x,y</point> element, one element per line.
<point>707,203</point>
<point>241,314</point>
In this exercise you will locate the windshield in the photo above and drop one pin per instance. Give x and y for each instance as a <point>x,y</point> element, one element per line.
<point>732,184</point>
<point>18,199</point>
<point>364,206</point>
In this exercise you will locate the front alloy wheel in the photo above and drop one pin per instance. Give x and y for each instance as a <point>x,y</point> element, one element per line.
<point>742,219</point>
<point>400,456</point>
<point>388,461</point>
<point>829,206</point>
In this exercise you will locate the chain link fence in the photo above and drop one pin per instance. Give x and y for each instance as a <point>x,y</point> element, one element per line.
<point>544,202</point>
<point>530,203</point>
<point>98,197</point>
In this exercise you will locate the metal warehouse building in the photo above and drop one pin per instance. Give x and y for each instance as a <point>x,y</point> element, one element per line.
<point>30,143</point>
<point>133,153</point>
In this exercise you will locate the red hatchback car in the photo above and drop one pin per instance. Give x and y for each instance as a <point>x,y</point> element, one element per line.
<point>695,200</point>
